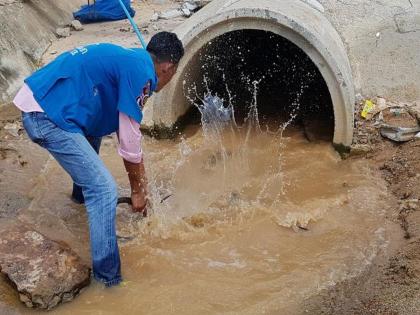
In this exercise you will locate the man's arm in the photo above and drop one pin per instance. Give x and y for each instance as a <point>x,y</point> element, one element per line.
<point>138,182</point>
<point>129,138</point>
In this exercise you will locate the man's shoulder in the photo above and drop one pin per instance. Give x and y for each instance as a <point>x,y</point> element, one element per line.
<point>138,61</point>
<point>104,48</point>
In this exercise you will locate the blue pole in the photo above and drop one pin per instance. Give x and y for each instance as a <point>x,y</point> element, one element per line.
<point>136,29</point>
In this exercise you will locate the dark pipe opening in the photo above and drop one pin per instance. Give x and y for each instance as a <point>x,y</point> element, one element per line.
<point>289,83</point>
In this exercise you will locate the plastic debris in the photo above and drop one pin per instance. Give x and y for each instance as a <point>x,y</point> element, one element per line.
<point>367,109</point>
<point>399,134</point>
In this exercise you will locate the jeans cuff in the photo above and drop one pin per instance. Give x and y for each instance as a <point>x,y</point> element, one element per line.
<point>110,283</point>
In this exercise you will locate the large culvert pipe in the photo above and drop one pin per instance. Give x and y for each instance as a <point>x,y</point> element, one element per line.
<point>300,23</point>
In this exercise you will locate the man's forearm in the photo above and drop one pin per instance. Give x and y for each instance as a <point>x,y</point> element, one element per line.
<point>137,177</point>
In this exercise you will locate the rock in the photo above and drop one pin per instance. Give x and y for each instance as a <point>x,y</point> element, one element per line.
<point>44,272</point>
<point>199,3</point>
<point>409,204</point>
<point>381,102</point>
<point>154,17</point>
<point>125,29</point>
<point>360,149</point>
<point>76,25</point>
<point>144,27</point>
<point>12,129</point>
<point>186,12</point>
<point>63,31</point>
<point>190,6</point>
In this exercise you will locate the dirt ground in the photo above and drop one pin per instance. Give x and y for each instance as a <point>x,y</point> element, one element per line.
<point>389,286</point>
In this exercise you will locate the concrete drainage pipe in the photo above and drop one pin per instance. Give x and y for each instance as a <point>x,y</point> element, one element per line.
<point>290,40</point>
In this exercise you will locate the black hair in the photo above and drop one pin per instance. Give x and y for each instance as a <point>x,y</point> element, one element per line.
<point>166,47</point>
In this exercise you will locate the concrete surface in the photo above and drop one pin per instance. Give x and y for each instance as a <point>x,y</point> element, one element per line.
<point>27,29</point>
<point>300,22</point>
<point>382,39</point>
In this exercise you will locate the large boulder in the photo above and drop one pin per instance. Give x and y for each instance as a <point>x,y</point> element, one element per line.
<point>44,272</point>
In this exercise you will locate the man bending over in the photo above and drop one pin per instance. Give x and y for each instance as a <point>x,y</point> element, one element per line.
<point>83,95</point>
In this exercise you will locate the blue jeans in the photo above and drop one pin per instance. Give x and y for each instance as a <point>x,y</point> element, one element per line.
<point>77,194</point>
<point>80,160</point>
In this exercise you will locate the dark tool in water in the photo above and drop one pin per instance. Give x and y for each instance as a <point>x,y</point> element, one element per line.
<point>166,198</point>
<point>123,200</point>
<point>127,200</point>
<point>303,228</point>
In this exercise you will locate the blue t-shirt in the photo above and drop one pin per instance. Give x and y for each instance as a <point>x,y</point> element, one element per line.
<point>84,90</point>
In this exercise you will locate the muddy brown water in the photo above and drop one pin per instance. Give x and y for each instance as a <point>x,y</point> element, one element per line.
<point>254,226</point>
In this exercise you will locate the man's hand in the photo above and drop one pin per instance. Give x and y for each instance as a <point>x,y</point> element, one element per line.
<point>138,183</point>
<point>139,202</point>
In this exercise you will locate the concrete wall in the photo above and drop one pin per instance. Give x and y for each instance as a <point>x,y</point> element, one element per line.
<point>26,30</point>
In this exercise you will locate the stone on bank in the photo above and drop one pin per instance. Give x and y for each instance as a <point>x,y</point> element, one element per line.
<point>44,272</point>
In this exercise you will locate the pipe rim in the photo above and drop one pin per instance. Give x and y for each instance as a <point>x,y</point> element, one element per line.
<point>333,65</point>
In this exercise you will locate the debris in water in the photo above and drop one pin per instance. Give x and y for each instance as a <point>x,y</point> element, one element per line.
<point>303,228</point>
<point>165,198</point>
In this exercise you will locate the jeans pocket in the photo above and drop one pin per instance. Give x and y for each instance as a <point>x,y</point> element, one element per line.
<point>31,127</point>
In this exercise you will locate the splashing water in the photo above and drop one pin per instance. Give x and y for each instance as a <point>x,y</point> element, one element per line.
<point>234,230</point>
<point>214,115</point>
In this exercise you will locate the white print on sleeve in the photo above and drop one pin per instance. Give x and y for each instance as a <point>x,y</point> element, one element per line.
<point>142,99</point>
